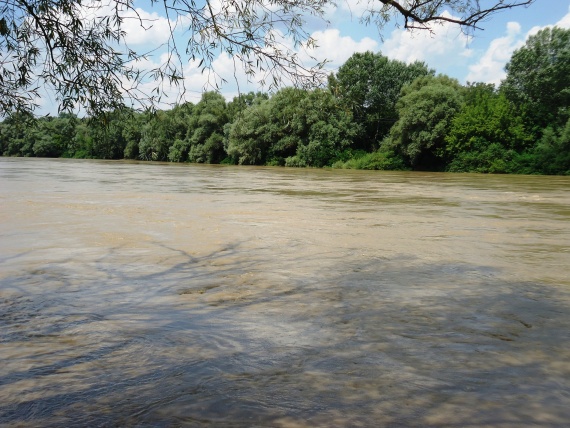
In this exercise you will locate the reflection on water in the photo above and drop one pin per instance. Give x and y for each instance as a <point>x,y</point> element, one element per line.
<point>167,295</point>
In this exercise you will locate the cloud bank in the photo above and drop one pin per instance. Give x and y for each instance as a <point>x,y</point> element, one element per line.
<point>490,68</point>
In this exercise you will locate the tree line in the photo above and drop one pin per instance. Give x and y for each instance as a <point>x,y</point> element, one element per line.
<point>374,113</point>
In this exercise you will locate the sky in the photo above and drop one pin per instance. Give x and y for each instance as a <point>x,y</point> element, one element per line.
<point>479,57</point>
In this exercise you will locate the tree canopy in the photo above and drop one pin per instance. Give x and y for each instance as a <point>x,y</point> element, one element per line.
<point>79,48</point>
<point>369,85</point>
<point>426,109</point>
<point>538,77</point>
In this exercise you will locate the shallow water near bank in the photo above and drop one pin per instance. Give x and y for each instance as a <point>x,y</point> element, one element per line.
<point>147,294</point>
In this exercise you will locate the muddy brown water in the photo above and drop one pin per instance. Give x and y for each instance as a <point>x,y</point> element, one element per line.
<point>139,294</point>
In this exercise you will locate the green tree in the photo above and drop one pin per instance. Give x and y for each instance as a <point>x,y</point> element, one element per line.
<point>249,136</point>
<point>243,101</point>
<point>288,124</point>
<point>295,127</point>
<point>53,137</point>
<point>22,135</point>
<point>329,131</point>
<point>206,129</point>
<point>132,133</point>
<point>180,125</point>
<point>426,109</point>
<point>156,137</point>
<point>538,78</point>
<point>269,131</point>
<point>82,143</point>
<point>107,137</point>
<point>369,85</point>
<point>236,110</point>
<point>14,134</point>
<point>159,131</point>
<point>487,118</point>
<point>79,48</point>
<point>552,153</point>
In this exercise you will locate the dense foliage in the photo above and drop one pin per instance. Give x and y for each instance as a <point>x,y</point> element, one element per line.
<point>376,113</point>
<point>369,85</point>
<point>425,109</point>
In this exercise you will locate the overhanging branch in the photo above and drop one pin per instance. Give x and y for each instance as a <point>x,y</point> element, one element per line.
<point>418,14</point>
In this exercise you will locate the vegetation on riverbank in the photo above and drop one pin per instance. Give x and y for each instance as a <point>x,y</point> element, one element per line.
<point>375,113</point>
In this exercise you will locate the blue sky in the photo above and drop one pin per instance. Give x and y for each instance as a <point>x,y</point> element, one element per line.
<point>480,58</point>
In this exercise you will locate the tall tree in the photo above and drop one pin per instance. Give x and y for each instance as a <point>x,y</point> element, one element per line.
<point>538,77</point>
<point>156,137</point>
<point>486,117</point>
<point>249,136</point>
<point>369,84</point>
<point>269,131</point>
<point>426,110</point>
<point>14,134</point>
<point>295,127</point>
<point>552,153</point>
<point>487,132</point>
<point>329,131</point>
<point>206,129</point>
<point>107,138</point>
<point>79,48</point>
<point>238,105</point>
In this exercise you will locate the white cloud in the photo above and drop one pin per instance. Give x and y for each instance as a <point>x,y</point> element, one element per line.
<point>197,82</point>
<point>491,66</point>
<point>230,76</point>
<point>148,30</point>
<point>356,8</point>
<point>336,48</point>
<point>144,28</point>
<point>139,25</point>
<point>565,21</point>
<point>440,48</point>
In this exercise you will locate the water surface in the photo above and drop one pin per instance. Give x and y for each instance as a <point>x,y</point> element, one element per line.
<point>175,295</point>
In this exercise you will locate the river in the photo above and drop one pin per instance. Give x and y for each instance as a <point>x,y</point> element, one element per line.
<point>148,294</point>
